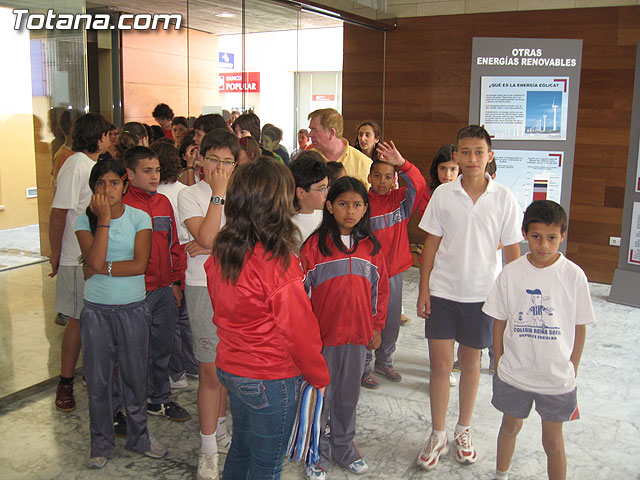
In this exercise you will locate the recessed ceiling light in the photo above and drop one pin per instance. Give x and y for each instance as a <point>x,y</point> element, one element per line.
<point>224,15</point>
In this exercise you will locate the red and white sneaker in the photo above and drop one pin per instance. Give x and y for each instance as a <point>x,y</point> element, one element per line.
<point>428,458</point>
<point>465,453</point>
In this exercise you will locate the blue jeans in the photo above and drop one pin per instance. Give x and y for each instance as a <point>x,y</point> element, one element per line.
<point>263,413</point>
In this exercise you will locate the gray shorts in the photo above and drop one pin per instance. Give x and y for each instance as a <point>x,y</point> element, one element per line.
<point>517,403</point>
<point>205,338</point>
<point>69,291</point>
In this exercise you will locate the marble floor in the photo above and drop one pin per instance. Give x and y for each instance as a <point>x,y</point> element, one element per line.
<point>20,246</point>
<point>38,442</point>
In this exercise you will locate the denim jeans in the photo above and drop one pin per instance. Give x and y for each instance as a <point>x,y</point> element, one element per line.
<point>263,413</point>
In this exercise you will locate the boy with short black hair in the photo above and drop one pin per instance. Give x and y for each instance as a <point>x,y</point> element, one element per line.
<point>89,140</point>
<point>466,220</point>
<point>541,306</point>
<point>310,173</point>
<point>162,277</point>
<point>391,209</point>
<point>164,115</point>
<point>201,210</point>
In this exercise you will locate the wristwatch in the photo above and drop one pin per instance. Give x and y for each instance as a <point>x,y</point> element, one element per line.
<point>217,200</point>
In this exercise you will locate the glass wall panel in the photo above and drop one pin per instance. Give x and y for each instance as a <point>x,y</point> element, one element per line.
<point>46,86</point>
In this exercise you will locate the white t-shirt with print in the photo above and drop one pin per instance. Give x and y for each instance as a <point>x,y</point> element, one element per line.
<point>73,194</point>
<point>171,191</point>
<point>541,306</point>
<point>465,263</point>
<point>194,201</point>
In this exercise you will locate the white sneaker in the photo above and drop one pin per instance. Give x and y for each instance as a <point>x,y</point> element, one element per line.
<point>95,462</point>
<point>156,448</point>
<point>208,466</point>
<point>430,454</point>
<point>224,442</point>
<point>180,383</point>
<point>465,453</point>
<point>358,466</point>
<point>314,472</point>
<point>453,381</point>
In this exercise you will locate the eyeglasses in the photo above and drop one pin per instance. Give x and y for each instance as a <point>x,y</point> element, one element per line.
<point>224,163</point>
<point>321,189</point>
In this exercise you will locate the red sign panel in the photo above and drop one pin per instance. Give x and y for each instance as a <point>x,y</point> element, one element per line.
<point>323,98</point>
<point>240,82</point>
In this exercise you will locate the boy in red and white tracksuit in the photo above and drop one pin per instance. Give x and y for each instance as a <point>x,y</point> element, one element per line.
<point>390,212</point>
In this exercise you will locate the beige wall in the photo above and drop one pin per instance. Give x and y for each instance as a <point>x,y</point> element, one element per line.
<point>424,8</point>
<point>157,68</point>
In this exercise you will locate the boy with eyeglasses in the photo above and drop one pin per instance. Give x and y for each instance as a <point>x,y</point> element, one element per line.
<point>200,208</point>
<point>311,175</point>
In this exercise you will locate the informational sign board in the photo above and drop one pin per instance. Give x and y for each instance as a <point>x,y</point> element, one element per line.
<point>634,236</point>
<point>524,91</point>
<point>525,108</point>
<point>226,60</point>
<point>530,174</point>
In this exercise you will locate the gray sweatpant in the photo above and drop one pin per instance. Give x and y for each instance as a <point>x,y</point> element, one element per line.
<point>162,306</point>
<point>113,333</point>
<point>346,364</point>
<point>392,328</point>
<point>182,359</point>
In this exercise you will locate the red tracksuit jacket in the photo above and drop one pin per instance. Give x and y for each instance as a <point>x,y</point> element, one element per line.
<point>349,291</point>
<point>390,216</point>
<point>165,262</point>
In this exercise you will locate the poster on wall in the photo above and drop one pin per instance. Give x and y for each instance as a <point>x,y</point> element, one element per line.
<point>634,236</point>
<point>530,174</point>
<point>525,108</point>
<point>638,168</point>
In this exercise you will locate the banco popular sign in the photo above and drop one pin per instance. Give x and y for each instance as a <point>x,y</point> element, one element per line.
<point>240,82</point>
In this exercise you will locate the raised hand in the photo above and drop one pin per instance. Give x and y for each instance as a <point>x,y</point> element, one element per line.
<point>387,152</point>
<point>100,207</point>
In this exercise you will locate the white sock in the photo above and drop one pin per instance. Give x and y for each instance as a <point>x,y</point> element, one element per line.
<point>221,429</point>
<point>440,434</point>
<point>208,443</point>
<point>502,475</point>
<point>460,428</point>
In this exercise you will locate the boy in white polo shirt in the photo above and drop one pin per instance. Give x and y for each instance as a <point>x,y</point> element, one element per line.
<point>465,222</point>
<point>541,305</point>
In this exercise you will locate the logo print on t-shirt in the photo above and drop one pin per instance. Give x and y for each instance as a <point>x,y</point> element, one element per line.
<point>537,320</point>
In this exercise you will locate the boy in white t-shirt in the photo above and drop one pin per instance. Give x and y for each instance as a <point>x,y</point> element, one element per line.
<point>541,305</point>
<point>201,210</point>
<point>311,175</point>
<point>465,222</point>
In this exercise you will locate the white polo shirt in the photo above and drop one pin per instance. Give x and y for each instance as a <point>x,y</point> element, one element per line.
<point>465,263</point>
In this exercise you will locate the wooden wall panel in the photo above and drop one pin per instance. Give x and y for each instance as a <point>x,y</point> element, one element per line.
<point>428,71</point>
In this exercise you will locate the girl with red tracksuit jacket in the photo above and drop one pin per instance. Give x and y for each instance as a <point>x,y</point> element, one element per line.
<point>346,275</point>
<point>269,336</point>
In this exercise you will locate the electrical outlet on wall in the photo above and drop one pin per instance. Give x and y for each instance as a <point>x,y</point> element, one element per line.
<point>614,241</point>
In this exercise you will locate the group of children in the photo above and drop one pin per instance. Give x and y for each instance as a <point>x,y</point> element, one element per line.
<point>134,242</point>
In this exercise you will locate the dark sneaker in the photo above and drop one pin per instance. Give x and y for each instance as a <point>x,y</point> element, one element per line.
<point>369,381</point>
<point>389,373</point>
<point>171,410</point>
<point>61,319</point>
<point>64,398</point>
<point>120,425</point>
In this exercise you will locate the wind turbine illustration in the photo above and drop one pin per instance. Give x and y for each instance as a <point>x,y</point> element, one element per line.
<point>555,112</point>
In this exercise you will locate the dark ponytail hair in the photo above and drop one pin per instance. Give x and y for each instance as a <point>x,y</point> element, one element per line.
<point>98,170</point>
<point>329,226</point>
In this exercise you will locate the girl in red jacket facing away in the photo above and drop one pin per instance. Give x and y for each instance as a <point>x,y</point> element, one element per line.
<point>347,276</point>
<point>269,336</point>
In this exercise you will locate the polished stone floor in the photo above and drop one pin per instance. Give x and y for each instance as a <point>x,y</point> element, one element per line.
<point>37,442</point>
